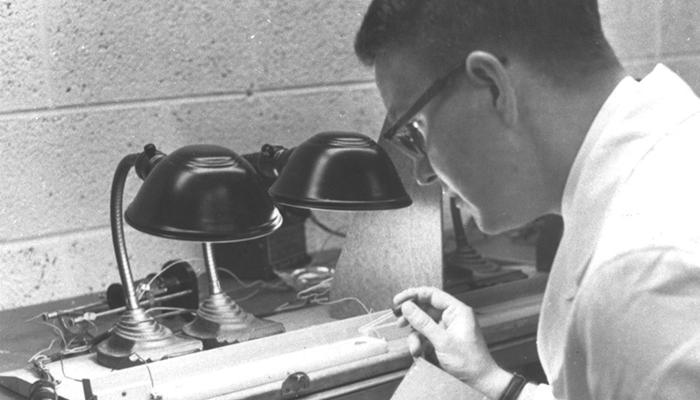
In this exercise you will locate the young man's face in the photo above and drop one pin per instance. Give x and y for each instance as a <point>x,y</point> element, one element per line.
<point>470,147</point>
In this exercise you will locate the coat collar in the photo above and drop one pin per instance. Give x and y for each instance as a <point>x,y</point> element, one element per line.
<point>582,215</point>
<point>611,150</point>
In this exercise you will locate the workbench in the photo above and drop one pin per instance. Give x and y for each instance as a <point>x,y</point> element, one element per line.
<point>507,313</point>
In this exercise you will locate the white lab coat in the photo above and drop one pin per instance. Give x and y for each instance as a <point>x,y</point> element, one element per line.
<point>621,312</point>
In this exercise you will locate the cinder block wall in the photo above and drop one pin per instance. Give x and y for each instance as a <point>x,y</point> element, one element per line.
<point>86,82</point>
<point>646,32</point>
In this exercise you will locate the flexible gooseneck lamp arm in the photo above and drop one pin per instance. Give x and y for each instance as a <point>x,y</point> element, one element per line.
<point>143,162</point>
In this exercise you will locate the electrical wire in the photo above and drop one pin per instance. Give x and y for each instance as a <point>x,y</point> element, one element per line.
<point>34,317</point>
<point>63,371</point>
<point>325,227</point>
<point>150,375</point>
<point>326,242</point>
<point>318,301</point>
<point>240,282</point>
<point>355,299</point>
<point>178,309</point>
<point>167,266</point>
<point>316,290</point>
<point>278,286</point>
<point>41,352</point>
<point>385,316</point>
<point>372,328</point>
<point>56,330</point>
<point>248,297</point>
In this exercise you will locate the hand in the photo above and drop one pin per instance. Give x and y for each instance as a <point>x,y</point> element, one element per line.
<point>459,345</point>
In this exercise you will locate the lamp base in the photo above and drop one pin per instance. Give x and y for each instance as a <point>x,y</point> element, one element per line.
<point>480,271</point>
<point>468,259</point>
<point>138,338</point>
<point>220,321</point>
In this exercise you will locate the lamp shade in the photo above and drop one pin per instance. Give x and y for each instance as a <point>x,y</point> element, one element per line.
<point>203,193</point>
<point>340,171</point>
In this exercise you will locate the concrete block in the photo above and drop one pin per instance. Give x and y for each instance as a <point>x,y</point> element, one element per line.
<point>71,265</point>
<point>280,119</point>
<point>117,51</point>
<point>22,69</point>
<point>631,26</point>
<point>680,28</point>
<point>61,166</point>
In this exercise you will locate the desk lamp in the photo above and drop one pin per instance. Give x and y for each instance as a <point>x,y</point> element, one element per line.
<point>137,337</point>
<point>208,194</point>
<point>340,171</point>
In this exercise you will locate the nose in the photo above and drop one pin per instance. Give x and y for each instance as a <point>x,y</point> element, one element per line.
<point>423,171</point>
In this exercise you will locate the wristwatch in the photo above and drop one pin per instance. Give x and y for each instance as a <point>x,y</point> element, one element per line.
<point>515,386</point>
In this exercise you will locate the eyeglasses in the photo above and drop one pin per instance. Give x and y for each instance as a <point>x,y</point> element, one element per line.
<point>407,133</point>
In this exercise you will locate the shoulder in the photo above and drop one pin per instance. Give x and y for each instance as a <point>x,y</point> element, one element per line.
<point>633,311</point>
<point>645,271</point>
<point>658,204</point>
<point>644,299</point>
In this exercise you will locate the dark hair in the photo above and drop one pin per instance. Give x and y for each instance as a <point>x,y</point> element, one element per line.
<point>560,35</point>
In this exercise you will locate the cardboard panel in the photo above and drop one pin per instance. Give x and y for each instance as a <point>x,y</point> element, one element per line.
<point>426,381</point>
<point>388,251</point>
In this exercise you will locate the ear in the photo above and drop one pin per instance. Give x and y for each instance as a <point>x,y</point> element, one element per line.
<point>486,70</point>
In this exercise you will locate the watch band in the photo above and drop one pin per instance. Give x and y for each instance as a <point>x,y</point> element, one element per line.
<point>515,386</point>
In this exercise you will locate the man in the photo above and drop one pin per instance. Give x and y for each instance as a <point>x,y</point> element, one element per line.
<point>522,108</point>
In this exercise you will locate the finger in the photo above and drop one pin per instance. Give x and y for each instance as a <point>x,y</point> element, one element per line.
<point>414,344</point>
<point>421,322</point>
<point>405,295</point>
<point>401,322</point>
<point>428,353</point>
<point>430,295</point>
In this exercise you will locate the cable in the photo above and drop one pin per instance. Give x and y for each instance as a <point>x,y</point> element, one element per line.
<point>173,313</point>
<point>364,307</point>
<point>240,282</point>
<point>325,227</point>
<point>63,371</point>
<point>385,316</point>
<point>145,363</point>
<point>322,287</point>
<point>326,241</point>
<point>248,297</point>
<point>371,328</point>
<point>318,294</point>
<point>178,309</point>
<point>56,330</point>
<point>34,317</point>
<point>41,352</point>
<point>167,266</point>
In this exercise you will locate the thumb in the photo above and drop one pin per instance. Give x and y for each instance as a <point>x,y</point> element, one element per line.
<point>421,322</point>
